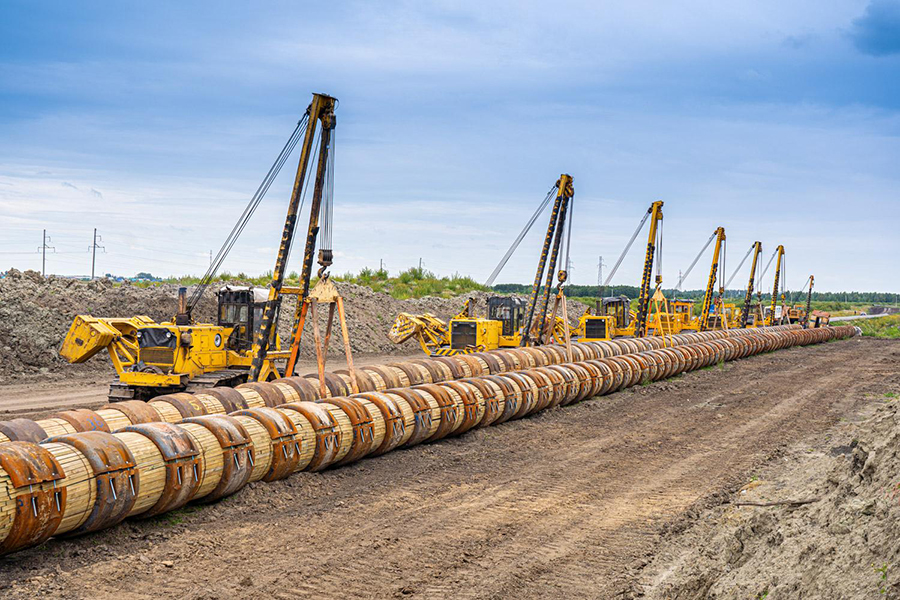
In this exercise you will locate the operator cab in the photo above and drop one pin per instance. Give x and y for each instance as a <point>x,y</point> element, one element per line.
<point>510,310</point>
<point>505,317</point>
<point>241,307</point>
<point>617,307</point>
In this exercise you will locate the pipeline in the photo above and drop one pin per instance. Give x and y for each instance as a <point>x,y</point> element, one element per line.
<point>82,482</point>
<point>172,408</point>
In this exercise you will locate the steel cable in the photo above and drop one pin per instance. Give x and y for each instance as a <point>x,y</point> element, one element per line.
<point>521,236</point>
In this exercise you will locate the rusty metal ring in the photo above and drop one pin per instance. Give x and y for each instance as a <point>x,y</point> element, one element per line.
<point>116,477</point>
<point>183,464</point>
<point>237,453</point>
<point>39,512</point>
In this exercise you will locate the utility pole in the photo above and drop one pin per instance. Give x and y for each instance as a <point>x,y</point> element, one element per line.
<point>420,264</point>
<point>43,250</point>
<point>93,249</point>
<point>210,257</point>
<point>600,265</point>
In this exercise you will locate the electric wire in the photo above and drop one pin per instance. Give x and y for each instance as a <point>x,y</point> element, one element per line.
<point>537,213</point>
<point>248,212</point>
<point>627,248</point>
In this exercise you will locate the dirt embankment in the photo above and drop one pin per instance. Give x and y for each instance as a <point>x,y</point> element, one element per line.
<point>35,314</point>
<point>821,521</point>
<point>571,503</point>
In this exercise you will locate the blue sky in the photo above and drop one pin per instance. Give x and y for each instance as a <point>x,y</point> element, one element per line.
<point>154,122</point>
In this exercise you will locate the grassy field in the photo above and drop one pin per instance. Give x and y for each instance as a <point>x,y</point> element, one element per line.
<point>412,283</point>
<point>883,327</point>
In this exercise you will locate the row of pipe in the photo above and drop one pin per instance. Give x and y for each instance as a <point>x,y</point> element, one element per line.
<point>81,482</point>
<point>172,408</point>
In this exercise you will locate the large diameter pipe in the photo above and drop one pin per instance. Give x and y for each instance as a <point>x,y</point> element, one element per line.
<point>82,482</point>
<point>172,408</point>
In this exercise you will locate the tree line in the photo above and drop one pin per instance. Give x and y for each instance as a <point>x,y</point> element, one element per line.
<point>631,291</point>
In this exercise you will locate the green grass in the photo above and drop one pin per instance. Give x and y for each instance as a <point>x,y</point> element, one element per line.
<point>887,327</point>
<point>412,283</point>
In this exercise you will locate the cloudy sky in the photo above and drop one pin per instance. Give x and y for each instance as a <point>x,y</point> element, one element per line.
<point>155,122</point>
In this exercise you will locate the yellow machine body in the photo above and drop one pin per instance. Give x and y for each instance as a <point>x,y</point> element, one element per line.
<point>152,358</point>
<point>595,328</point>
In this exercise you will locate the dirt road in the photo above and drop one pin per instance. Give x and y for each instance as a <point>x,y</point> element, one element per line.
<point>569,503</point>
<point>40,398</point>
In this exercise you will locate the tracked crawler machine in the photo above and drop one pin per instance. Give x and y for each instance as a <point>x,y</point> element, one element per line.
<point>510,321</point>
<point>185,355</point>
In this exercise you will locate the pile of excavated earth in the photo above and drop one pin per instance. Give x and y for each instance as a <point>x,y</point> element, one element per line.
<point>35,314</point>
<point>820,521</point>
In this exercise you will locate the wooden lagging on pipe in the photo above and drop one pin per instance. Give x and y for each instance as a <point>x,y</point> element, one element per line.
<point>81,482</point>
<point>172,408</point>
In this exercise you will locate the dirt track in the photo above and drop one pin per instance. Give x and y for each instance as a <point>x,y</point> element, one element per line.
<point>39,399</point>
<point>569,503</point>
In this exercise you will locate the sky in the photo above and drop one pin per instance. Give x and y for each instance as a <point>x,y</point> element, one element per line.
<point>155,122</point>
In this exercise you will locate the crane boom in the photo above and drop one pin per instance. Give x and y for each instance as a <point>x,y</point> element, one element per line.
<point>779,252</point>
<point>656,216</point>
<point>552,242</point>
<point>748,298</point>
<point>812,281</point>
<point>320,111</point>
<point>711,282</point>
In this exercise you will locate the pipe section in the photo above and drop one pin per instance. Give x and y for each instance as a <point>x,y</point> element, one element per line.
<point>172,408</point>
<point>84,481</point>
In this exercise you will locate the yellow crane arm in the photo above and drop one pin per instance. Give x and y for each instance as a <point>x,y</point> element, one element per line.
<point>711,282</point>
<point>656,215</point>
<point>778,265</point>
<point>745,314</point>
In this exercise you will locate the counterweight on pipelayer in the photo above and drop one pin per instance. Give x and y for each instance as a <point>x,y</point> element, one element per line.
<point>81,471</point>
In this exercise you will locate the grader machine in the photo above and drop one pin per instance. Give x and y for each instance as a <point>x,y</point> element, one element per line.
<point>184,355</point>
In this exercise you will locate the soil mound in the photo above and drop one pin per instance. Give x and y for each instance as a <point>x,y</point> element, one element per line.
<point>841,539</point>
<point>36,312</point>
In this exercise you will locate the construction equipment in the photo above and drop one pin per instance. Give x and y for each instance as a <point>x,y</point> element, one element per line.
<point>774,317</point>
<point>321,111</point>
<point>510,321</point>
<point>615,318</point>
<point>159,358</point>
<point>799,313</point>
<point>711,316</point>
<point>677,315</point>
<point>182,355</point>
<point>535,330</point>
<point>812,282</point>
<point>755,319</point>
